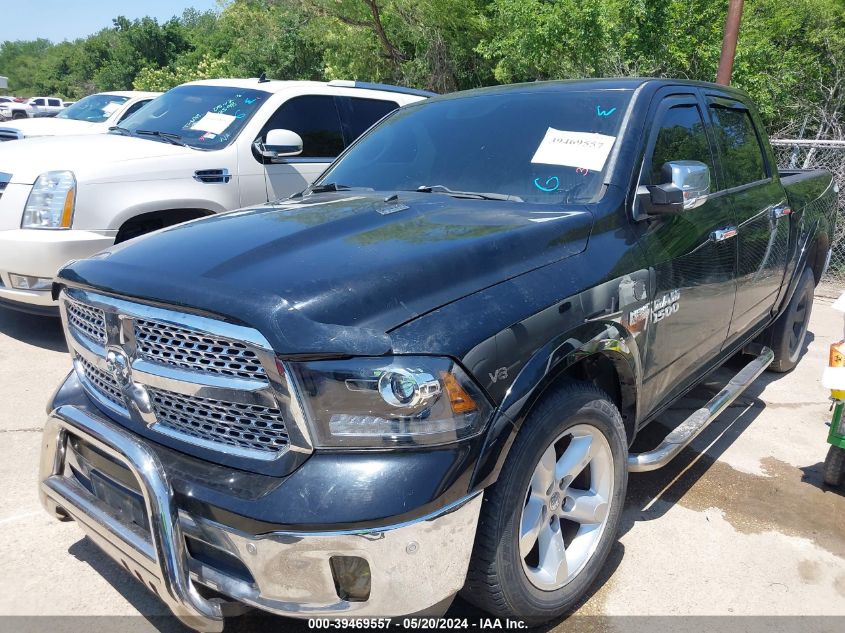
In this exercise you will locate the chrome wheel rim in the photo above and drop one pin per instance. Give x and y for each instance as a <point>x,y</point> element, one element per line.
<point>567,506</point>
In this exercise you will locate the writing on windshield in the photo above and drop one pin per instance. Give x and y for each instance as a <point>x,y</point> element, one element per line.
<point>200,116</point>
<point>533,145</point>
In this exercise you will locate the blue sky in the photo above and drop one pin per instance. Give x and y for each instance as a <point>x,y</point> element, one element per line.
<point>59,20</point>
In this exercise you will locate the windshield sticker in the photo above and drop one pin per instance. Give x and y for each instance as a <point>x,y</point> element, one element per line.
<point>213,122</point>
<point>582,171</point>
<point>601,112</point>
<point>574,149</point>
<point>552,184</point>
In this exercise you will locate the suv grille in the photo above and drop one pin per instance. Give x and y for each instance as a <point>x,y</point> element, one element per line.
<point>239,412</point>
<point>242,425</point>
<point>189,349</point>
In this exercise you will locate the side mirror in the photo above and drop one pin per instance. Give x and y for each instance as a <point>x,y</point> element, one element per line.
<point>280,143</point>
<point>687,187</point>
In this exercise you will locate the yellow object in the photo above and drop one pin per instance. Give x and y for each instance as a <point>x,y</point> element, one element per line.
<point>836,359</point>
<point>67,210</point>
<point>459,399</point>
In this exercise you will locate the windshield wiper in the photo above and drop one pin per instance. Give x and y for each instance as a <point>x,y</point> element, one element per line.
<point>468,194</point>
<point>121,130</point>
<point>173,139</point>
<point>329,186</point>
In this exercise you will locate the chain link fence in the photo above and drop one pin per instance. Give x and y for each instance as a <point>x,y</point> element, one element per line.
<point>830,155</point>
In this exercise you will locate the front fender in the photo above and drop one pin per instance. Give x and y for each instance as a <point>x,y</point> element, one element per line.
<point>108,206</point>
<point>607,338</point>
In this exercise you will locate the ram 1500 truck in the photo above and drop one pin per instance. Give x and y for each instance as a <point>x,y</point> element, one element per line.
<point>201,148</point>
<point>423,375</point>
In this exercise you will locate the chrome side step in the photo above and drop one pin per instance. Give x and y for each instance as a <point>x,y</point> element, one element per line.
<point>689,429</point>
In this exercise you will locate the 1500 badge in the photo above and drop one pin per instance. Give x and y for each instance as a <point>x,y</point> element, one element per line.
<point>665,306</point>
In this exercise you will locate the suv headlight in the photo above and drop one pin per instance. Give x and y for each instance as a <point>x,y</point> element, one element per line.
<point>51,202</point>
<point>389,401</point>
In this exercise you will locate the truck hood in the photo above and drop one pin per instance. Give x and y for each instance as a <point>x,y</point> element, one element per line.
<point>51,126</point>
<point>334,273</point>
<point>88,157</point>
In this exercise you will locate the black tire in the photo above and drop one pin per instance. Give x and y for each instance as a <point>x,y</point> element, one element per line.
<point>497,581</point>
<point>834,466</point>
<point>18,115</point>
<point>790,329</point>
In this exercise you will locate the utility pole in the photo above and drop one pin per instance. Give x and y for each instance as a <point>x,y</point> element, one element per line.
<point>726,61</point>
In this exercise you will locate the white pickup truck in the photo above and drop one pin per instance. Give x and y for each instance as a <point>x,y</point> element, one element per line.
<point>201,148</point>
<point>33,108</point>
<point>90,115</point>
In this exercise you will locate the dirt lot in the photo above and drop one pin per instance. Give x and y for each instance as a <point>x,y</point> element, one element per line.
<point>739,525</point>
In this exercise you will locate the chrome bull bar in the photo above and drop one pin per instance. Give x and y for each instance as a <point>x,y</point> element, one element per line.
<point>160,560</point>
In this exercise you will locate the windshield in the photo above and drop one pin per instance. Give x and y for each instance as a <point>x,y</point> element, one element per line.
<point>94,108</point>
<point>202,117</point>
<point>540,147</point>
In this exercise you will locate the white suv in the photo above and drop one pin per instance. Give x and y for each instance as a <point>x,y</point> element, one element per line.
<point>201,148</point>
<point>90,115</point>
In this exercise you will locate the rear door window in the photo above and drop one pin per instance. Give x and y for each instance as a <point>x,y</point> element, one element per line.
<point>739,145</point>
<point>316,119</point>
<point>680,136</point>
<point>358,115</point>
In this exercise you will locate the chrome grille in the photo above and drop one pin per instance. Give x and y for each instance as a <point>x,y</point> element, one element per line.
<point>199,381</point>
<point>88,321</point>
<point>245,426</point>
<point>191,349</point>
<point>102,382</point>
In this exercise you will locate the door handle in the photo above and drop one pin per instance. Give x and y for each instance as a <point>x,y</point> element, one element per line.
<point>779,212</point>
<point>720,235</point>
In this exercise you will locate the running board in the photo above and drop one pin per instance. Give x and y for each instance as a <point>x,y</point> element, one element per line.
<point>689,429</point>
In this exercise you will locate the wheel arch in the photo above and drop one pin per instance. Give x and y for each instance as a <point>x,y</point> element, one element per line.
<point>149,221</point>
<point>601,353</point>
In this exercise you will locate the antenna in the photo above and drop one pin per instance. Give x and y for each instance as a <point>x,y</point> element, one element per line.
<point>263,78</point>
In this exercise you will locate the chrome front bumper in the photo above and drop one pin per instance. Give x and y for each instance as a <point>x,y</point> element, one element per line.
<point>413,566</point>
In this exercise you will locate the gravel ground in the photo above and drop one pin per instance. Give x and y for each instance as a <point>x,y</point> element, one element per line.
<point>740,524</point>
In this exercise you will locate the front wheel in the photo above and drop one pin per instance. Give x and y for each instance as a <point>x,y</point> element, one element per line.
<point>834,466</point>
<point>549,522</point>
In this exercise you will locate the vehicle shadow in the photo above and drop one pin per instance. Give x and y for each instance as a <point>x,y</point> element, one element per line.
<point>652,494</point>
<point>814,475</point>
<point>134,592</point>
<point>39,331</point>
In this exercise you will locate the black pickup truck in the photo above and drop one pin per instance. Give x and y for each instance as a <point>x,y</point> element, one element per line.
<point>423,375</point>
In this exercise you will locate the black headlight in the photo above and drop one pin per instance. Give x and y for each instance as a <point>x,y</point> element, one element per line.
<point>389,401</point>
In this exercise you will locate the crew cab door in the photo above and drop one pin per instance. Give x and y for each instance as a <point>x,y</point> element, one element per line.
<point>760,206</point>
<point>692,255</point>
